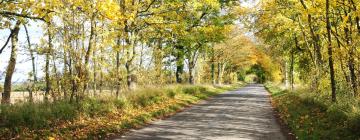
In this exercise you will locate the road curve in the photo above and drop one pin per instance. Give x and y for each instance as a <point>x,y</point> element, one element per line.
<point>243,114</point>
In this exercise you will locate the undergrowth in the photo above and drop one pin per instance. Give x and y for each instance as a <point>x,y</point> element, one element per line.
<point>96,118</point>
<point>313,116</point>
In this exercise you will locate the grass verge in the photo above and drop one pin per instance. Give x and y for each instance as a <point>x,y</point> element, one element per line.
<point>311,116</point>
<point>98,118</point>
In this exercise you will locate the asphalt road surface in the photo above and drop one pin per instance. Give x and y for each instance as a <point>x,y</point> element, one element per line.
<point>243,114</point>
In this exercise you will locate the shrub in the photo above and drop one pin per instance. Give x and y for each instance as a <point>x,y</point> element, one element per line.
<point>94,107</point>
<point>33,116</point>
<point>63,110</point>
<point>120,103</point>
<point>146,97</point>
<point>193,89</point>
<point>171,93</point>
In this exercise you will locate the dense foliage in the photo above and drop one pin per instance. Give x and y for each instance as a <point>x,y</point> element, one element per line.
<point>88,47</point>
<point>314,41</point>
<point>91,49</point>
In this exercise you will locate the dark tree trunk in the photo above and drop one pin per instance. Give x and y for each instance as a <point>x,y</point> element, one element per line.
<point>351,63</point>
<point>47,64</point>
<point>85,76</point>
<point>94,65</point>
<point>179,63</point>
<point>331,65</point>
<point>191,73</point>
<point>11,66</point>
<point>31,51</point>
<point>118,80</point>
<point>213,73</point>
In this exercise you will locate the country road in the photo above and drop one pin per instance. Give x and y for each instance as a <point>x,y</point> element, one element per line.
<point>242,114</point>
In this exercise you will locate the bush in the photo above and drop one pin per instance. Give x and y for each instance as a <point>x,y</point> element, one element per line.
<point>120,103</point>
<point>171,93</point>
<point>94,107</point>
<point>193,89</point>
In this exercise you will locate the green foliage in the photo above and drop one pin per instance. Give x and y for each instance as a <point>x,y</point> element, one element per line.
<point>313,117</point>
<point>19,87</point>
<point>147,97</point>
<point>120,103</point>
<point>193,89</point>
<point>260,73</point>
<point>63,110</point>
<point>96,107</point>
<point>37,115</point>
<point>171,93</point>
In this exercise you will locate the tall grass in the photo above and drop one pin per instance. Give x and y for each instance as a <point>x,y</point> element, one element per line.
<point>137,106</point>
<point>313,115</point>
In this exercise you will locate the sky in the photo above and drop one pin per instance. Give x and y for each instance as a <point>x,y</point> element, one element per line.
<point>23,65</point>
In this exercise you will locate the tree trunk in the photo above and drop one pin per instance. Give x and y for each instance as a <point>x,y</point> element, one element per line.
<point>315,37</point>
<point>101,76</point>
<point>130,77</point>
<point>56,76</point>
<point>158,57</point>
<point>192,59</point>
<point>31,51</point>
<point>221,67</point>
<point>351,62</point>
<point>179,63</point>
<point>94,66</point>
<point>292,71</point>
<point>94,74</point>
<point>88,53</point>
<point>213,72</point>
<point>292,64</point>
<point>11,66</point>
<point>347,78</point>
<point>191,72</point>
<point>331,65</point>
<point>118,80</point>
<point>101,80</point>
<point>66,76</point>
<point>286,74</point>
<point>47,65</point>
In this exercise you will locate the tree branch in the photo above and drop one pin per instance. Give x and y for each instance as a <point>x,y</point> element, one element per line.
<point>7,13</point>
<point>148,7</point>
<point>7,41</point>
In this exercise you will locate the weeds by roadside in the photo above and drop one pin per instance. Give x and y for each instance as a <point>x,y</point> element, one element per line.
<point>311,117</point>
<point>100,117</point>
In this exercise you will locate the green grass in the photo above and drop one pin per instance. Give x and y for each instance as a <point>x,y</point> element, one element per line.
<point>98,117</point>
<point>312,116</point>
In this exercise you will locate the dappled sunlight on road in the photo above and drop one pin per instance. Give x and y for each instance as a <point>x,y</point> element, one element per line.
<point>242,114</point>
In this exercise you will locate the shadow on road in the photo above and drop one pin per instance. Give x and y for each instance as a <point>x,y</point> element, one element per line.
<point>241,114</point>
